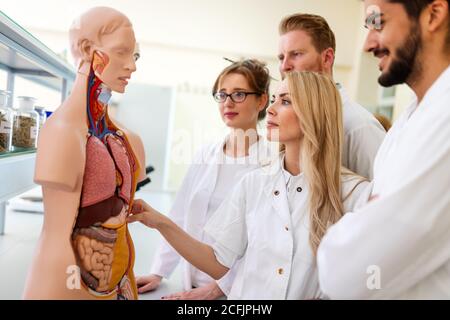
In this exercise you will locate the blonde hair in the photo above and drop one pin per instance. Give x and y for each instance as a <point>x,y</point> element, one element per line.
<point>317,104</point>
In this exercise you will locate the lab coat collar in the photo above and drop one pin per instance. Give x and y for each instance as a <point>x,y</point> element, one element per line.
<point>258,152</point>
<point>439,87</point>
<point>287,175</point>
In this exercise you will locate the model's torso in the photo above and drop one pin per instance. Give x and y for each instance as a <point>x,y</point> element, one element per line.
<point>100,238</point>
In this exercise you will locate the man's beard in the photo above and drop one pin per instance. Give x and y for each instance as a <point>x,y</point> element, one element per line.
<point>406,66</point>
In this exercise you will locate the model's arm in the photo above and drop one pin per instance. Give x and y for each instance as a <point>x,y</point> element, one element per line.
<point>60,156</point>
<point>59,169</point>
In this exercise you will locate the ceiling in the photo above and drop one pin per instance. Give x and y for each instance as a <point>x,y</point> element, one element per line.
<point>241,26</point>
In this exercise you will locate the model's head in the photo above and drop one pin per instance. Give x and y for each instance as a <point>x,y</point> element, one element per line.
<point>242,91</point>
<point>307,110</point>
<point>306,43</point>
<point>104,38</point>
<point>400,31</point>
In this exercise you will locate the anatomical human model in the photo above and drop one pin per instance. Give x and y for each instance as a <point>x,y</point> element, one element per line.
<point>88,169</point>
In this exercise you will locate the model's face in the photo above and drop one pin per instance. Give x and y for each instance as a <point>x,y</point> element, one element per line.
<point>115,61</point>
<point>282,122</point>
<point>394,39</point>
<point>239,115</point>
<point>296,52</point>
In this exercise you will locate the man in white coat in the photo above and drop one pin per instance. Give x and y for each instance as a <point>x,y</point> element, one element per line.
<point>307,43</point>
<point>398,246</point>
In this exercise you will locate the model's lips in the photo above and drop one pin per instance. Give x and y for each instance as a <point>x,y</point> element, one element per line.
<point>271,124</point>
<point>230,115</point>
<point>124,79</point>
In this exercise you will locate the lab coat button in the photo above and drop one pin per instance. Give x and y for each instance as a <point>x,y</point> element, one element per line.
<point>286,228</point>
<point>280,271</point>
<point>276,192</point>
<point>299,189</point>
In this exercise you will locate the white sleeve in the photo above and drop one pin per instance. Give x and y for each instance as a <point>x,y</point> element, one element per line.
<point>362,146</point>
<point>403,234</point>
<point>228,228</point>
<point>226,282</point>
<point>166,258</point>
<point>356,193</point>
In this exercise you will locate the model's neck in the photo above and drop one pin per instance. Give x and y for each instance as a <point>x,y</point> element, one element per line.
<point>99,92</point>
<point>101,95</point>
<point>430,71</point>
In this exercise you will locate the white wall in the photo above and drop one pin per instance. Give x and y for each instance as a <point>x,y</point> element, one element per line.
<point>183,43</point>
<point>146,110</point>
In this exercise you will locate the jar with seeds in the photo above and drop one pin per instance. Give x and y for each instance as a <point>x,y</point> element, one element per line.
<point>42,116</point>
<point>26,124</point>
<point>6,121</point>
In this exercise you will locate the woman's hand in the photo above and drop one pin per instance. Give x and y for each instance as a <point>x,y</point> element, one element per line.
<point>209,292</point>
<point>199,254</point>
<point>145,214</point>
<point>148,283</point>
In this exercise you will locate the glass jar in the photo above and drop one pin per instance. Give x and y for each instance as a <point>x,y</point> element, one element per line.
<point>42,116</point>
<point>26,124</point>
<point>6,121</point>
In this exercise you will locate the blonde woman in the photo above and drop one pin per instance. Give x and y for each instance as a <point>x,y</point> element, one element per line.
<point>242,93</point>
<point>275,218</point>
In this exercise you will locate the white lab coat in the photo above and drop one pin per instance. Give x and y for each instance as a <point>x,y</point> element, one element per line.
<point>363,135</point>
<point>401,239</point>
<point>256,226</point>
<point>191,204</point>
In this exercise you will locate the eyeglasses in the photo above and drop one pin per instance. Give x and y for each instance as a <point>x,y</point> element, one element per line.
<point>238,96</point>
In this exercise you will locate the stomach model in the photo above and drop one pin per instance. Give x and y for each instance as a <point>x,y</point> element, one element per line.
<point>103,247</point>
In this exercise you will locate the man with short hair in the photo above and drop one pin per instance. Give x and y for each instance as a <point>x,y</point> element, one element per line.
<point>307,43</point>
<point>398,245</point>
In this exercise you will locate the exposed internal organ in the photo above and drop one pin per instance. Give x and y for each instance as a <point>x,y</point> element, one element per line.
<point>99,181</point>
<point>99,238</point>
<point>94,248</point>
<point>122,161</point>
<point>101,241</point>
<point>99,212</point>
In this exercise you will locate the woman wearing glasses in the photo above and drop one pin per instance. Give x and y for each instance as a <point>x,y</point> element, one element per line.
<point>275,218</point>
<point>242,92</point>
